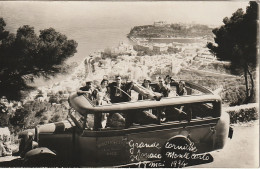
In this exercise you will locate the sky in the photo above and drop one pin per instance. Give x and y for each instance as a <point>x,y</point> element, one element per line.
<point>210,12</point>
<point>204,12</point>
<point>96,25</point>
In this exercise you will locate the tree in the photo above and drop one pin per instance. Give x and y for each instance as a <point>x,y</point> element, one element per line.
<point>236,41</point>
<point>25,55</point>
<point>3,33</point>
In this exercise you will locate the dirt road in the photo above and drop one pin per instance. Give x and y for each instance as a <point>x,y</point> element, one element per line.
<point>242,151</point>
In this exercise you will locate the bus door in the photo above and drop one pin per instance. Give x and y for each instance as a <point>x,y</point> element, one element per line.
<point>146,137</point>
<point>111,142</point>
<point>202,125</point>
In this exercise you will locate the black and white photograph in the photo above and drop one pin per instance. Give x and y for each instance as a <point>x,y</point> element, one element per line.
<point>129,84</point>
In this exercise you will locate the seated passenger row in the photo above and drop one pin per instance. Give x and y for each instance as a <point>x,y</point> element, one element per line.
<point>117,91</point>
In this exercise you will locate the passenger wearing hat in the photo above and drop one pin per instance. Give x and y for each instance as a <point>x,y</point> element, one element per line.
<point>160,88</point>
<point>169,81</point>
<point>145,84</point>
<point>88,89</point>
<point>120,92</point>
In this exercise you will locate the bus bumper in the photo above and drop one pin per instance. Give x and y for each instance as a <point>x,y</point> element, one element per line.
<point>230,132</point>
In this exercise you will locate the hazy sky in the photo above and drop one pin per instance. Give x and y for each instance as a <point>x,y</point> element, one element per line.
<point>211,12</point>
<point>144,12</point>
<point>100,24</point>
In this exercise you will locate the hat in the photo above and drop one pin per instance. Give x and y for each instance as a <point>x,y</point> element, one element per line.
<point>160,79</point>
<point>104,81</point>
<point>118,76</point>
<point>147,79</point>
<point>182,82</point>
<point>88,81</point>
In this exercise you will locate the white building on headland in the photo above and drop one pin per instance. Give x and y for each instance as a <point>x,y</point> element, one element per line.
<point>159,23</point>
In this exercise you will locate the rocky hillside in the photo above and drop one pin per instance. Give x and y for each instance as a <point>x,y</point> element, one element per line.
<point>170,30</point>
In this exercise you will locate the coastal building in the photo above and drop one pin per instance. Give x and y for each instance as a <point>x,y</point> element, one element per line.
<point>174,49</point>
<point>175,44</point>
<point>142,47</point>
<point>160,48</point>
<point>205,56</point>
<point>159,23</point>
<point>123,48</point>
<point>189,52</point>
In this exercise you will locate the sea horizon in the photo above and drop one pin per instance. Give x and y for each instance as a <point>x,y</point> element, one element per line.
<point>100,24</point>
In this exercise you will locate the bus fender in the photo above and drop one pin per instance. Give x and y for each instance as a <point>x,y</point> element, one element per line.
<point>222,131</point>
<point>27,142</point>
<point>37,151</point>
<point>40,157</point>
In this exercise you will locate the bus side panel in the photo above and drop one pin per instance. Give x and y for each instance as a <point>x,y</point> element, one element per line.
<point>87,151</point>
<point>136,152</point>
<point>60,143</point>
<point>200,135</point>
<point>111,150</point>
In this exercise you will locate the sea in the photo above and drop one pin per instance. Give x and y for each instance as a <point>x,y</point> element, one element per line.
<point>96,25</point>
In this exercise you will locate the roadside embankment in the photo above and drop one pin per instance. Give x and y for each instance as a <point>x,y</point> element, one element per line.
<point>243,113</point>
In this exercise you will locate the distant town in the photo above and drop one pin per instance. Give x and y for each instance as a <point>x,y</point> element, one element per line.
<point>152,57</point>
<point>148,56</point>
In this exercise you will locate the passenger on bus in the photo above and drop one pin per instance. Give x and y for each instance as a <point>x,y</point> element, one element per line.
<point>101,93</point>
<point>120,92</point>
<point>2,148</point>
<point>101,96</point>
<point>168,79</point>
<point>88,89</point>
<point>146,85</point>
<point>180,112</point>
<point>160,88</point>
<point>181,90</point>
<point>145,116</point>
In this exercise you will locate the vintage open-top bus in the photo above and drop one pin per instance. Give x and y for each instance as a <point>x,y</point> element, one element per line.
<point>138,135</point>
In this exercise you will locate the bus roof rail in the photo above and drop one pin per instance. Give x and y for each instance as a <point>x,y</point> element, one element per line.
<point>83,106</point>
